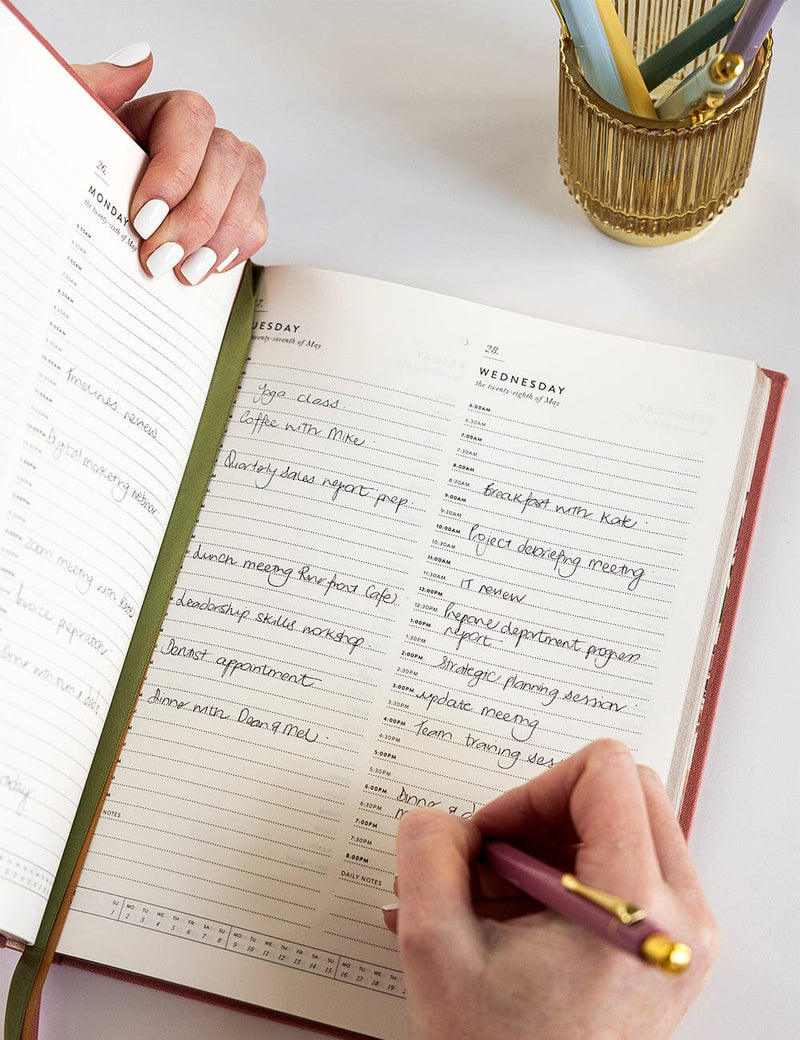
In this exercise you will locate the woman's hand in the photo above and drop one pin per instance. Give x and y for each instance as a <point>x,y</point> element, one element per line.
<point>483,961</point>
<point>197,207</point>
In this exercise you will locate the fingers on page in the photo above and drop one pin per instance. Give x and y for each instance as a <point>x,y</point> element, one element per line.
<point>390,912</point>
<point>242,227</point>
<point>197,207</point>
<point>436,925</point>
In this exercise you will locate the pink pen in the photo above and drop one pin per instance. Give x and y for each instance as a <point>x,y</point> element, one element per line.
<point>613,919</point>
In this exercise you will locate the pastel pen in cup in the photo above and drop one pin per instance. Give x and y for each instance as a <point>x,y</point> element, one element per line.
<point>583,23</point>
<point>750,30</point>
<point>699,95</point>
<point>706,31</point>
<point>751,27</point>
<point>639,101</point>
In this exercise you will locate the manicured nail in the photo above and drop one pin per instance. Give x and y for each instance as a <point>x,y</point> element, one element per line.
<point>391,906</point>
<point>150,217</point>
<point>164,259</point>
<point>130,55</point>
<point>198,265</point>
<point>228,260</point>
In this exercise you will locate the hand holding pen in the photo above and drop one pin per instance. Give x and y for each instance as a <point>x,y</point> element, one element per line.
<point>481,959</point>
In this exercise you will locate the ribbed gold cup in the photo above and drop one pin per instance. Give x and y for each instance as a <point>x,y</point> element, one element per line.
<point>648,181</point>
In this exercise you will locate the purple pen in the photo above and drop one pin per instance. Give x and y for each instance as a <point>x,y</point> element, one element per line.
<point>617,921</point>
<point>751,28</point>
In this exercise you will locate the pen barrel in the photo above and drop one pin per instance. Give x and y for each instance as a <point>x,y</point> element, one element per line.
<point>751,27</point>
<point>544,883</point>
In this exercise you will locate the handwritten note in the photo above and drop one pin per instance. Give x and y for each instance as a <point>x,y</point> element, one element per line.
<point>441,549</point>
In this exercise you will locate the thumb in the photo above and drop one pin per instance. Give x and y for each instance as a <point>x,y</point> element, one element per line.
<point>437,931</point>
<point>119,77</point>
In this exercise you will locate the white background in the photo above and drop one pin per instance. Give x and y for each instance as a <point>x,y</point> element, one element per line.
<point>416,142</point>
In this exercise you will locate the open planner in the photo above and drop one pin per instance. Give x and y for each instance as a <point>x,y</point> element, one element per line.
<point>291,553</point>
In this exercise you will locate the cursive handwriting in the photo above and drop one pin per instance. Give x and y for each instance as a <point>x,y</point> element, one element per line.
<point>349,487</point>
<point>199,553</point>
<point>266,395</point>
<point>231,666</point>
<point>497,591</point>
<point>334,635</point>
<point>278,727</point>
<point>564,564</point>
<point>175,649</point>
<point>83,384</point>
<point>526,500</point>
<point>64,626</point>
<point>84,695</point>
<point>224,607</point>
<point>12,783</point>
<point>413,800</point>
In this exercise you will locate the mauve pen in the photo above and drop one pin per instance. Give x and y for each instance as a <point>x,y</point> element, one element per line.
<point>613,919</point>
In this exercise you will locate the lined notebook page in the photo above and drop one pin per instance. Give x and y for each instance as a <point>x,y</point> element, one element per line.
<point>442,548</point>
<point>105,375</point>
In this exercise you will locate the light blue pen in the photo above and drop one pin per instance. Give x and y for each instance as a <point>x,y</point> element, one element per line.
<point>703,91</point>
<point>582,20</point>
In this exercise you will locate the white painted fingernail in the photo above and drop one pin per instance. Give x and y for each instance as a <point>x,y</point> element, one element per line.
<point>164,259</point>
<point>130,55</point>
<point>228,260</point>
<point>198,265</point>
<point>150,217</point>
<point>391,906</point>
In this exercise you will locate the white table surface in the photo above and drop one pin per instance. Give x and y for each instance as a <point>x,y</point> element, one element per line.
<point>416,142</point>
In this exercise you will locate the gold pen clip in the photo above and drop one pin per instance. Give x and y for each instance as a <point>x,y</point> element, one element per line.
<point>627,913</point>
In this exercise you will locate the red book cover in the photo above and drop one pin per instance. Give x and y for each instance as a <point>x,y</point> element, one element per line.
<point>705,720</point>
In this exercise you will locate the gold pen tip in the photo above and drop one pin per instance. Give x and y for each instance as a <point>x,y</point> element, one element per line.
<point>672,957</point>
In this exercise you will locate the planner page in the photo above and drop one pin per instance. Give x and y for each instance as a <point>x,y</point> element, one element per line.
<point>442,548</point>
<point>105,373</point>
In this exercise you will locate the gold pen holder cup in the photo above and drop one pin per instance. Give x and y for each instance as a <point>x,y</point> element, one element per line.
<point>649,181</point>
